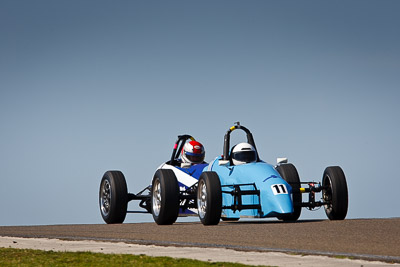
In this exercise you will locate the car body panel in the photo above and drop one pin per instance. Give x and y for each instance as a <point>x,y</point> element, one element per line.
<point>275,192</point>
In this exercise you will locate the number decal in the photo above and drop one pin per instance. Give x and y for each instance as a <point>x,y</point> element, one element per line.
<point>279,189</point>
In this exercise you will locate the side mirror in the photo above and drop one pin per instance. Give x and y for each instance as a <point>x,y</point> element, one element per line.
<point>223,162</point>
<point>281,160</point>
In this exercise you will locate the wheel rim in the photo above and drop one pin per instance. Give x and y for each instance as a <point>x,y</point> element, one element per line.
<point>327,194</point>
<point>202,199</point>
<point>105,197</point>
<point>156,198</point>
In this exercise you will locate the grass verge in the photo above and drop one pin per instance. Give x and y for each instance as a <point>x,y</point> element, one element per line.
<point>31,257</point>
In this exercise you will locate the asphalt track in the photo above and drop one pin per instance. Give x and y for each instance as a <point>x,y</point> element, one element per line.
<point>371,239</point>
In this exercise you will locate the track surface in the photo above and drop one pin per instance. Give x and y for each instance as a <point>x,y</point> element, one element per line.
<point>368,237</point>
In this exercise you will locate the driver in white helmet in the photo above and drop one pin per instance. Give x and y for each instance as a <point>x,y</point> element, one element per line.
<point>192,153</point>
<point>243,153</point>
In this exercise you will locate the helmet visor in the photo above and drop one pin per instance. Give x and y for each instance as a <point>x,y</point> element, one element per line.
<point>245,156</point>
<point>195,158</point>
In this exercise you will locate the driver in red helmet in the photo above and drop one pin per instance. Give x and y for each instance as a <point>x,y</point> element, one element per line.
<point>192,153</point>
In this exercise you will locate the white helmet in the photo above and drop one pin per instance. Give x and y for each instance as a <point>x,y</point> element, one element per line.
<point>243,153</point>
<point>193,152</point>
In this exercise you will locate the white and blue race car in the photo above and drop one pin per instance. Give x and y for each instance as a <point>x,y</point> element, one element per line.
<point>223,190</point>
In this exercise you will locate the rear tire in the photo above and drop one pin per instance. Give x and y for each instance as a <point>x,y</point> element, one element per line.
<point>113,197</point>
<point>165,197</point>
<point>209,198</point>
<point>335,193</point>
<point>289,173</point>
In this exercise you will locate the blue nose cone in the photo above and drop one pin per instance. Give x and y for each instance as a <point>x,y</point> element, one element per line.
<point>276,198</point>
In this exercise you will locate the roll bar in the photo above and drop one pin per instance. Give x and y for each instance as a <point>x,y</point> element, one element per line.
<point>179,145</point>
<point>250,140</point>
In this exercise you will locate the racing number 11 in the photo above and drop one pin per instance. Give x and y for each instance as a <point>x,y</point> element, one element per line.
<point>279,189</point>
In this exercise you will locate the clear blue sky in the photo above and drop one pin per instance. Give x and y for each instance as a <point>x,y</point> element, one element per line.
<point>88,86</point>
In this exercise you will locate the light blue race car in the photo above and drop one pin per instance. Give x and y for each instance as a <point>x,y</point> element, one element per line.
<point>235,185</point>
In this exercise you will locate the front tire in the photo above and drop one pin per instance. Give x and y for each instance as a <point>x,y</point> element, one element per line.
<point>335,193</point>
<point>165,197</point>
<point>113,197</point>
<point>209,198</point>
<point>289,173</point>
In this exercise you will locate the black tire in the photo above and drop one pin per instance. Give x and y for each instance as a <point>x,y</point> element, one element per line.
<point>209,198</point>
<point>113,197</point>
<point>289,173</point>
<point>335,193</point>
<point>165,197</point>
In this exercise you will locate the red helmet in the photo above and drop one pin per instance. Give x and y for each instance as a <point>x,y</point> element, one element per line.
<point>193,152</point>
